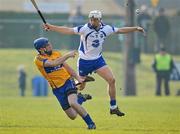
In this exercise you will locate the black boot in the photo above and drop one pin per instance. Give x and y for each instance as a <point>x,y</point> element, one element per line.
<point>117,112</point>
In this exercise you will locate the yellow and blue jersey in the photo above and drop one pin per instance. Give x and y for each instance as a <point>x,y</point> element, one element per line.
<point>57,75</point>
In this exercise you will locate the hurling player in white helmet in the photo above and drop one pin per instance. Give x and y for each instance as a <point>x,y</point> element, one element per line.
<point>92,37</point>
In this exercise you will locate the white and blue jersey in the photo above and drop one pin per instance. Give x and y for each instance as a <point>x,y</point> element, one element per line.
<point>90,49</point>
<point>91,40</point>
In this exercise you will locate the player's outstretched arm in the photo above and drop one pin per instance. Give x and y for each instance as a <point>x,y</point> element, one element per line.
<point>125,30</point>
<point>73,73</point>
<point>60,60</point>
<point>60,29</point>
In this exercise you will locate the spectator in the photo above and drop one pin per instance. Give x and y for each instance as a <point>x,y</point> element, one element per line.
<point>162,28</point>
<point>163,65</point>
<point>22,80</point>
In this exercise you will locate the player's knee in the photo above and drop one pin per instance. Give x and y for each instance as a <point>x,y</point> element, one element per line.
<point>71,113</point>
<point>73,117</point>
<point>111,80</point>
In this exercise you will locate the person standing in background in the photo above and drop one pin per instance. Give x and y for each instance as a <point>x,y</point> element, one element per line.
<point>22,80</point>
<point>162,66</point>
<point>162,29</point>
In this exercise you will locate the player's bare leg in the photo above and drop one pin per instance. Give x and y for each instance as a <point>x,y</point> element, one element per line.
<point>71,113</point>
<point>72,99</point>
<point>107,75</point>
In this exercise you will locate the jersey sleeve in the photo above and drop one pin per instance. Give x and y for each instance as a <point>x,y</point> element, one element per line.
<point>79,29</point>
<point>39,61</point>
<point>110,30</point>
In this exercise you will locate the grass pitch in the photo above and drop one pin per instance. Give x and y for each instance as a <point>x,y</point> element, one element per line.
<point>152,115</point>
<point>145,114</point>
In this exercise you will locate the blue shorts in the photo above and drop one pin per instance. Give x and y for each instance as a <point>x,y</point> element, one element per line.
<point>62,93</point>
<point>86,67</point>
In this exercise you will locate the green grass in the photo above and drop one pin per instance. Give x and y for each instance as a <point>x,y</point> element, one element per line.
<point>146,114</point>
<point>43,115</point>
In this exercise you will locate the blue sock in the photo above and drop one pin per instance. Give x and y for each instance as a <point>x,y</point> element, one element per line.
<point>87,119</point>
<point>113,102</point>
<point>80,100</point>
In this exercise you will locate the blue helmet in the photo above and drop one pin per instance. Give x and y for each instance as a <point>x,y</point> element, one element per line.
<point>40,43</point>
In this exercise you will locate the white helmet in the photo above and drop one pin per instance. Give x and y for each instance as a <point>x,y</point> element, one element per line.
<point>95,14</point>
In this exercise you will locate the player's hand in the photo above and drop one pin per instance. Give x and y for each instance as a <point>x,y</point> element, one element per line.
<point>81,86</point>
<point>47,27</point>
<point>140,29</point>
<point>79,79</point>
<point>72,53</point>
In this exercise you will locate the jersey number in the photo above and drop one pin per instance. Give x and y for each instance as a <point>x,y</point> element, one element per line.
<point>95,43</point>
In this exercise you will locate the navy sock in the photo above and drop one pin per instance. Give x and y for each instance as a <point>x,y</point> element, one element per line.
<point>81,100</point>
<point>113,102</point>
<point>87,119</point>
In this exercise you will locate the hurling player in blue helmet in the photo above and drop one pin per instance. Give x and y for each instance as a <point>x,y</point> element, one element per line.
<point>92,37</point>
<point>42,43</point>
<point>51,64</point>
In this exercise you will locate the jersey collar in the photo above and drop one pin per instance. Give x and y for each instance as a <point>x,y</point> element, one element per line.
<point>91,27</point>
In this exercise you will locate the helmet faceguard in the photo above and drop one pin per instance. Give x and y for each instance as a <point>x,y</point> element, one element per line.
<point>95,14</point>
<point>40,43</point>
